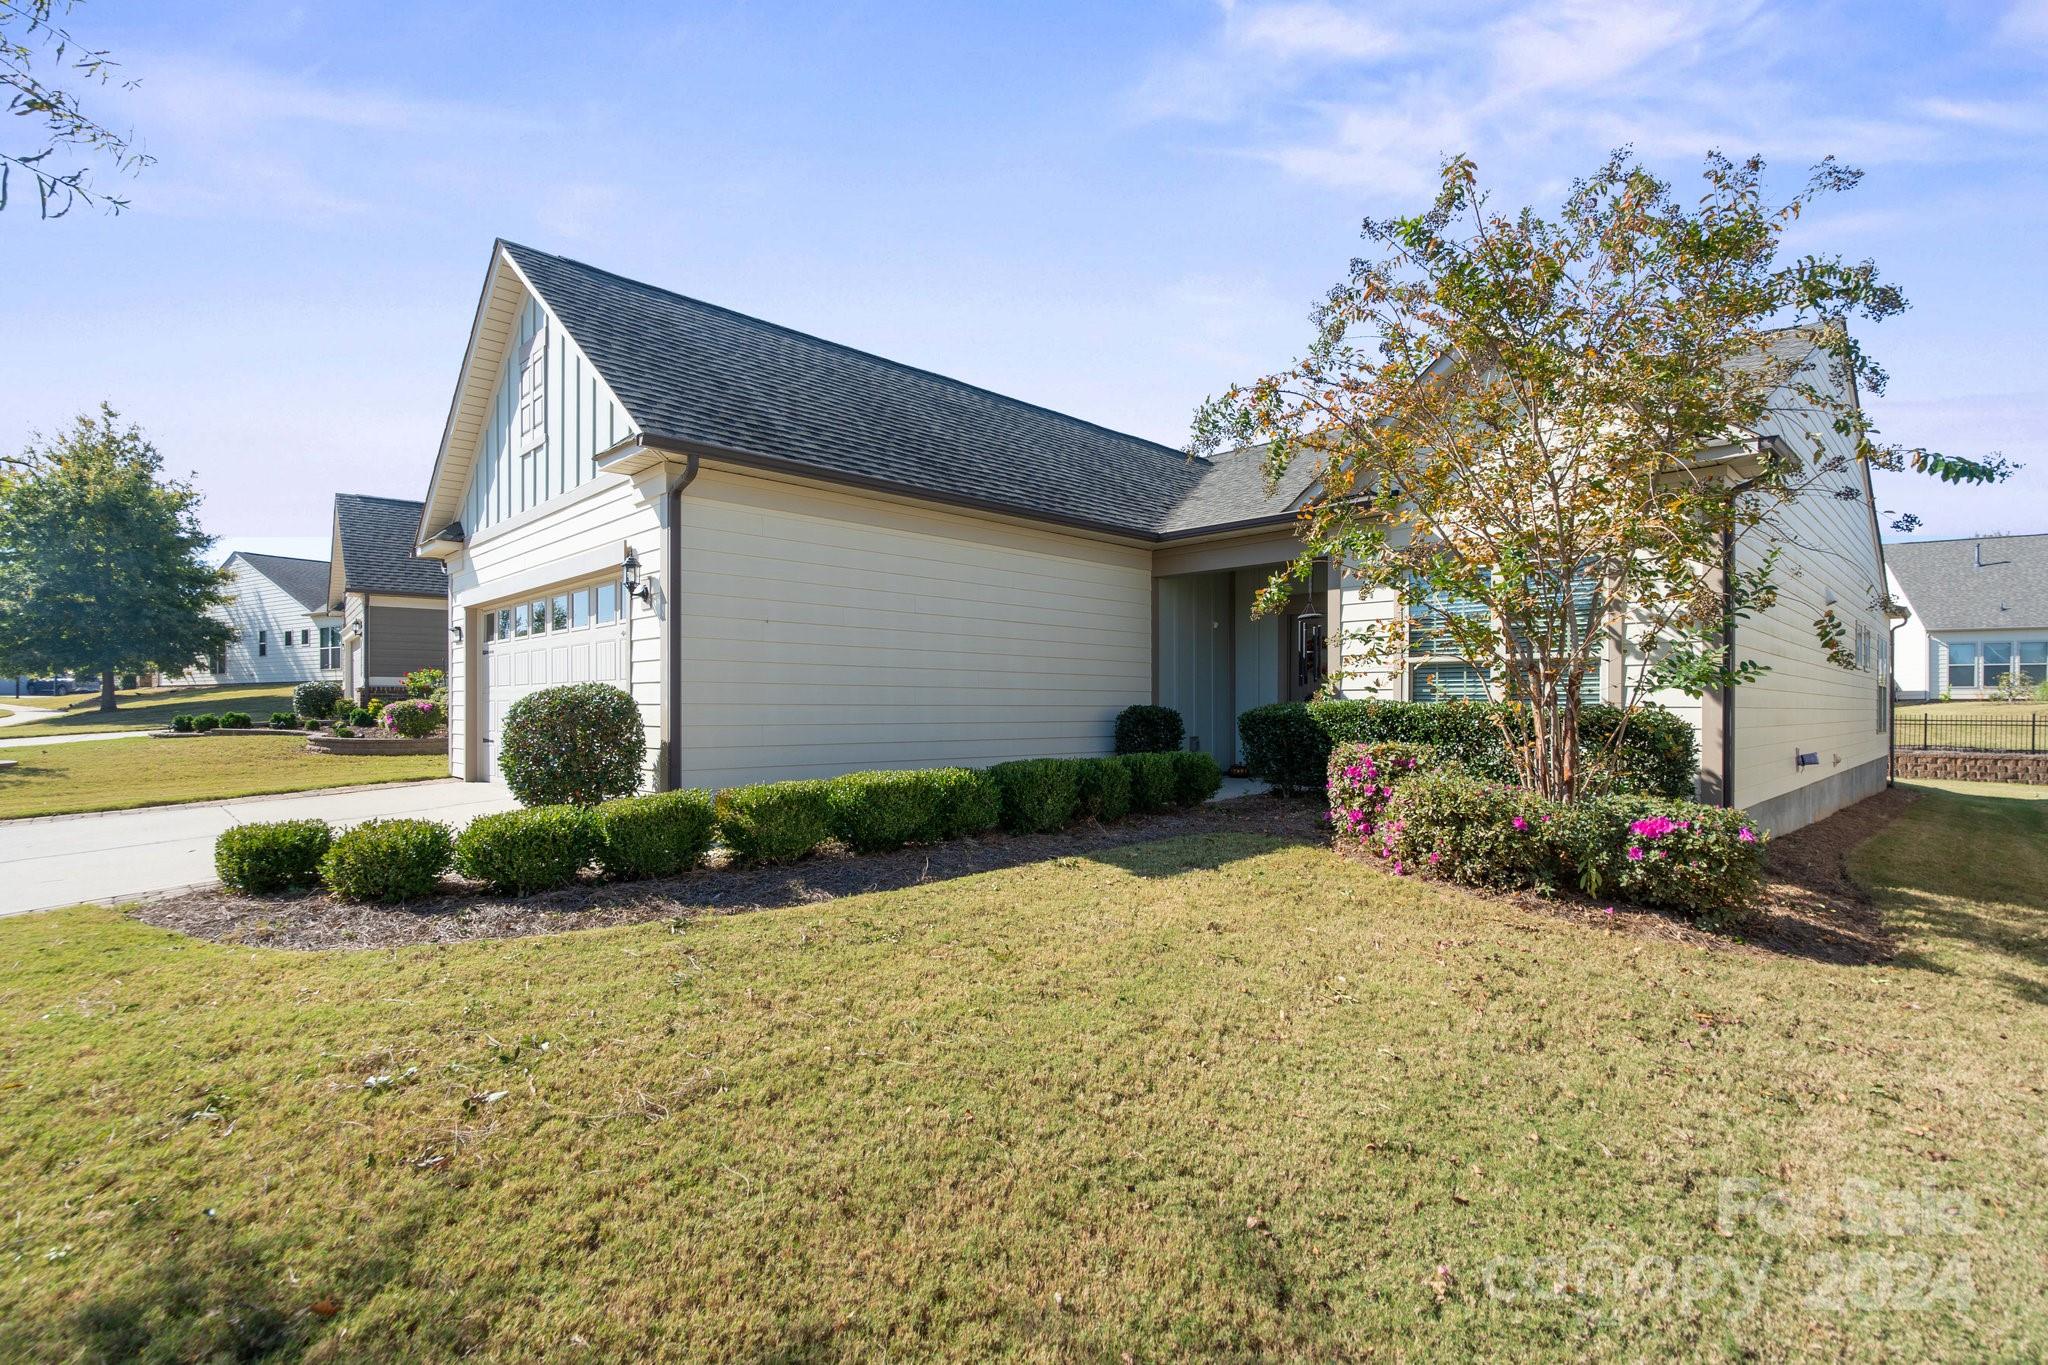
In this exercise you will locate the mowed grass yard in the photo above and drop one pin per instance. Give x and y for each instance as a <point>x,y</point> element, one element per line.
<point>147,709</point>
<point>1212,1096</point>
<point>116,774</point>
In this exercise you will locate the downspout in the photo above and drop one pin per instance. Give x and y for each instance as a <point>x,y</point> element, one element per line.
<point>1727,662</point>
<point>671,655</point>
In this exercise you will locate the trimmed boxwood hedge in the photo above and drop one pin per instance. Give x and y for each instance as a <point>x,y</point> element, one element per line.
<point>206,723</point>
<point>235,720</point>
<point>1155,778</point>
<point>1196,778</point>
<point>774,822</point>
<point>970,801</point>
<point>574,745</point>
<point>1148,730</point>
<point>874,811</point>
<point>1104,789</point>
<point>1039,794</point>
<point>654,836</point>
<point>520,852</point>
<point>272,856</point>
<point>388,860</point>
<point>1288,744</point>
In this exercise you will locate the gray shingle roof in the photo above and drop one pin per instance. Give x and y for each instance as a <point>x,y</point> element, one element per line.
<point>693,372</point>
<point>375,539</point>
<point>1949,591</point>
<point>304,579</point>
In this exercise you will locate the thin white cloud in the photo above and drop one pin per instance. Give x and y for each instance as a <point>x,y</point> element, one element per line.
<point>1310,32</point>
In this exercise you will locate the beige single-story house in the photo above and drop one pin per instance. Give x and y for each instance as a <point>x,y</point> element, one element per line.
<point>389,605</point>
<point>1978,611</point>
<point>802,559</point>
<point>283,631</point>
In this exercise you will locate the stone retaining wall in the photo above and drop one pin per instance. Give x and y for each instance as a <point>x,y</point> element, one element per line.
<point>376,744</point>
<point>1961,766</point>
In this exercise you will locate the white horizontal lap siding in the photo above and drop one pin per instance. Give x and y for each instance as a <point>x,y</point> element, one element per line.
<point>261,613</point>
<point>599,520</point>
<point>1805,704</point>
<point>1363,620</point>
<point>825,632</point>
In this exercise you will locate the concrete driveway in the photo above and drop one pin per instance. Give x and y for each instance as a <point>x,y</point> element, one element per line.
<point>132,854</point>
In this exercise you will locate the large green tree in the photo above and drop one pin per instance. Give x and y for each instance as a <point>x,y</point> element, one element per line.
<point>1537,431</point>
<point>102,560</point>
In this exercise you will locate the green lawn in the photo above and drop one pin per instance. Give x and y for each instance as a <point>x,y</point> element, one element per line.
<point>150,709</point>
<point>114,774</point>
<point>1214,1096</point>
<point>1979,710</point>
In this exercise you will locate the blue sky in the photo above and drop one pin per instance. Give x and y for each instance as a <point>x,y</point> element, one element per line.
<point>1111,210</point>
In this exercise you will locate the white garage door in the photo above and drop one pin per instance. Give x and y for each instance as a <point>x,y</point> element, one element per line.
<point>567,635</point>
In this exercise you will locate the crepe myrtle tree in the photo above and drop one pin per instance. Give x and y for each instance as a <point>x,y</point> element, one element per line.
<point>1532,430</point>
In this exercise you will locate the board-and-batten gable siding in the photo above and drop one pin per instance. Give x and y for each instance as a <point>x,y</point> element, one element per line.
<point>609,516</point>
<point>583,420</point>
<point>402,640</point>
<point>825,632</point>
<point>1805,704</point>
<point>259,608</point>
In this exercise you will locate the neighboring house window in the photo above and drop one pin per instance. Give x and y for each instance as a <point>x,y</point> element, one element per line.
<point>220,661</point>
<point>330,647</point>
<point>1962,665</point>
<point>262,642</point>
<point>1997,661</point>
<point>2034,661</point>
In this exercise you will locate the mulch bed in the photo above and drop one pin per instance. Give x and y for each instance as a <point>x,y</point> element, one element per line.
<point>1811,907</point>
<point>317,920</point>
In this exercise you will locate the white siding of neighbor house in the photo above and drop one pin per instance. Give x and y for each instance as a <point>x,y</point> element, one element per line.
<point>601,521</point>
<point>826,631</point>
<point>261,606</point>
<point>1368,670</point>
<point>583,420</point>
<point>1915,670</point>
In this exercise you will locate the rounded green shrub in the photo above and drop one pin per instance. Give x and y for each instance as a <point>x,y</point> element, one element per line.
<point>270,857</point>
<point>1148,730</point>
<point>1196,777</point>
<point>520,852</point>
<point>658,835</point>
<point>1281,745</point>
<point>362,717</point>
<point>1105,789</point>
<point>970,802</point>
<point>235,720</point>
<point>575,745</point>
<point>388,860</point>
<point>1039,794</point>
<point>1154,780</point>
<point>182,724</point>
<point>205,723</point>
<point>316,700</point>
<point>414,718</point>
<point>872,811</point>
<point>773,822</point>
<point>283,720</point>
<point>424,682</point>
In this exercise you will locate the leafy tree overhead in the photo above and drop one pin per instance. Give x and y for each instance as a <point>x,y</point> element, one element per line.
<point>32,43</point>
<point>1537,431</point>
<point>102,567</point>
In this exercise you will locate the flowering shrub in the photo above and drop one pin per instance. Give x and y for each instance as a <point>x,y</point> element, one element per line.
<point>1704,860</point>
<point>414,719</point>
<point>1701,860</point>
<point>1446,823</point>
<point>573,745</point>
<point>424,682</point>
<point>1362,778</point>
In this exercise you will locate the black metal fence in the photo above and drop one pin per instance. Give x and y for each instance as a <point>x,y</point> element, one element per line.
<point>1979,734</point>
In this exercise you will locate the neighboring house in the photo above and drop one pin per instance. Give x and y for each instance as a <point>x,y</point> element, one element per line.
<point>801,559</point>
<point>283,631</point>
<point>1979,610</point>
<point>390,605</point>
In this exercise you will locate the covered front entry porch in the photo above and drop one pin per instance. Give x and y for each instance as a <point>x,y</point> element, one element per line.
<point>1213,659</point>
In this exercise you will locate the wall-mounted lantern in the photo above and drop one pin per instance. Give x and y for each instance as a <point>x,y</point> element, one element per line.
<point>634,585</point>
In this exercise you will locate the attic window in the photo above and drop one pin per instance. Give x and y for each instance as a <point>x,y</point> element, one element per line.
<point>532,419</point>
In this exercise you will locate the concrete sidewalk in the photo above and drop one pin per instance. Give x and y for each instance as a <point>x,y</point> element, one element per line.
<point>31,741</point>
<point>118,855</point>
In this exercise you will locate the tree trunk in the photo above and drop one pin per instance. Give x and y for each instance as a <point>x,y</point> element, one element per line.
<point>107,689</point>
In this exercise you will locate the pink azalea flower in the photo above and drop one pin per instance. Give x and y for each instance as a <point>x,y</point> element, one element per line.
<point>1520,823</point>
<point>1400,871</point>
<point>1747,836</point>
<point>1434,858</point>
<point>1635,855</point>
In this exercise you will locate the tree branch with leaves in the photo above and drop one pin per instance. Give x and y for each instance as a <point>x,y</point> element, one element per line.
<point>1537,432</point>
<point>32,40</point>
